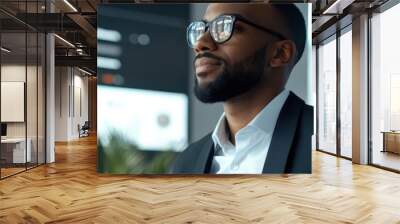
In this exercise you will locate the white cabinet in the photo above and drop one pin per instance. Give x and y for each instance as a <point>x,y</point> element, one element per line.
<point>19,154</point>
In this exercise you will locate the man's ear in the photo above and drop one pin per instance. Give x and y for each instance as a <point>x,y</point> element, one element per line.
<point>283,53</point>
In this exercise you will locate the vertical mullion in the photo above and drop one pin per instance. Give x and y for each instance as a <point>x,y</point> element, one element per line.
<point>26,85</point>
<point>60,88</point>
<point>73,92</point>
<point>69,92</point>
<point>37,89</point>
<point>0,92</point>
<point>317,93</point>
<point>338,77</point>
<point>45,87</point>
<point>369,89</point>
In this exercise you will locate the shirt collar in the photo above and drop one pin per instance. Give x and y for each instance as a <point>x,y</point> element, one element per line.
<point>265,121</point>
<point>220,135</point>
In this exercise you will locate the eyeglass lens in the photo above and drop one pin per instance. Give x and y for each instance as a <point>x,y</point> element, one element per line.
<point>220,30</point>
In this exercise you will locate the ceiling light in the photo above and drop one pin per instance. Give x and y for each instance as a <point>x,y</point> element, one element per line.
<point>333,9</point>
<point>84,71</point>
<point>65,41</point>
<point>70,5</point>
<point>5,50</point>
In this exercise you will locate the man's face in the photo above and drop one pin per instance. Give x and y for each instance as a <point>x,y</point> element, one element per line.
<point>234,67</point>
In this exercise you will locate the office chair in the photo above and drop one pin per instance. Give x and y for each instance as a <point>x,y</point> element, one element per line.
<point>84,130</point>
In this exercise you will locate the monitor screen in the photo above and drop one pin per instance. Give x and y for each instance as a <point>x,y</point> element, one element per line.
<point>140,116</point>
<point>3,129</point>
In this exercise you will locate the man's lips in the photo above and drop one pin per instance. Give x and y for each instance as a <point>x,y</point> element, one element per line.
<point>206,61</point>
<point>204,65</point>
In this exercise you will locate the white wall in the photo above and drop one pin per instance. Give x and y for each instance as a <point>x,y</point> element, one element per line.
<point>33,126</point>
<point>16,73</point>
<point>11,73</point>
<point>61,103</point>
<point>81,94</point>
<point>70,84</point>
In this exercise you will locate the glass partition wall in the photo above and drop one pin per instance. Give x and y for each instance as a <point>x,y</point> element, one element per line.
<point>327,95</point>
<point>385,90</point>
<point>345,93</point>
<point>22,77</point>
<point>334,86</point>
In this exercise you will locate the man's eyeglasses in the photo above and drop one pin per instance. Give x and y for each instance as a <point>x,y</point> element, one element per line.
<point>221,29</point>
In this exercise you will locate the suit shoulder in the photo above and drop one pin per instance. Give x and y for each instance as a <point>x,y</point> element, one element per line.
<point>307,109</point>
<point>195,145</point>
<point>184,161</point>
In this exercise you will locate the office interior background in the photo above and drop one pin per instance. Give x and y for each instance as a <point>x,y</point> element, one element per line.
<point>48,107</point>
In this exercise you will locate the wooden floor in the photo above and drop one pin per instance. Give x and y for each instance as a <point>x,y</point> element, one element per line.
<point>387,159</point>
<point>70,191</point>
<point>10,171</point>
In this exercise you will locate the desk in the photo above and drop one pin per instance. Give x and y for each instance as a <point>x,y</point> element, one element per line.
<point>16,147</point>
<point>391,141</point>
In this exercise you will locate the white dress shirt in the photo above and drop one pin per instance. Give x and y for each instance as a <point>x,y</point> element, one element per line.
<point>248,155</point>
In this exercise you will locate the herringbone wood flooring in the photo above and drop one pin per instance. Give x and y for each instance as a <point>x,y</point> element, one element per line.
<point>70,191</point>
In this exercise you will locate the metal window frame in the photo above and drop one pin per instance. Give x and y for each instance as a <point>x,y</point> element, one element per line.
<point>337,34</point>
<point>381,9</point>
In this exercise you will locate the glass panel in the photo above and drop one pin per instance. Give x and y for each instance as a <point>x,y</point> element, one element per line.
<point>23,89</point>
<point>346,94</point>
<point>385,87</point>
<point>41,98</point>
<point>13,87</point>
<point>31,98</point>
<point>32,89</point>
<point>327,96</point>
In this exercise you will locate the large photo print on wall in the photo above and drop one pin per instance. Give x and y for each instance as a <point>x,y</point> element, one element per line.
<point>219,88</point>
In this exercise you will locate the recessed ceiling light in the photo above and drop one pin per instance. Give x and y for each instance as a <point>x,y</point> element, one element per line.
<point>5,50</point>
<point>70,5</point>
<point>65,41</point>
<point>84,71</point>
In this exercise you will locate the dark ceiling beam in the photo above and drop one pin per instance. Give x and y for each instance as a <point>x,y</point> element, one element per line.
<point>337,7</point>
<point>91,5</point>
<point>78,61</point>
<point>15,18</point>
<point>320,22</point>
<point>79,19</point>
<point>331,28</point>
<point>49,22</point>
<point>86,26</point>
<point>64,51</point>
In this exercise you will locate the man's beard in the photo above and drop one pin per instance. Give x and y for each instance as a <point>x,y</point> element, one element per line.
<point>234,80</point>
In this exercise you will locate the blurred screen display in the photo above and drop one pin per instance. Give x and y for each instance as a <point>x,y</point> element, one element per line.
<point>152,120</point>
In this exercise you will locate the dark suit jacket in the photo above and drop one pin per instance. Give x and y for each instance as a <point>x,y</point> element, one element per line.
<point>289,151</point>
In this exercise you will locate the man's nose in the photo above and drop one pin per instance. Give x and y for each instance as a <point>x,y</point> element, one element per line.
<point>205,43</point>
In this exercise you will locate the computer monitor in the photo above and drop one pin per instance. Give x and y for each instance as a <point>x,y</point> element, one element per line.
<point>3,129</point>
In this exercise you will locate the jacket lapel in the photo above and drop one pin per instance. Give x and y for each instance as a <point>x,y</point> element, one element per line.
<point>204,157</point>
<point>283,135</point>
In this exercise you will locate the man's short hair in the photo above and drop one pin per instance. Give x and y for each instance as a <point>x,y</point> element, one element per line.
<point>296,26</point>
